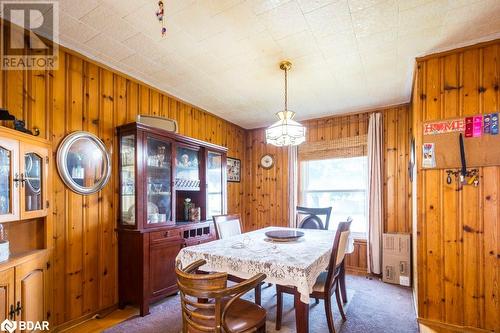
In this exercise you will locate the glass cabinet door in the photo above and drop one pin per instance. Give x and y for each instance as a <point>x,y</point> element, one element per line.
<point>33,182</point>
<point>9,180</point>
<point>187,169</point>
<point>34,162</point>
<point>214,184</point>
<point>158,181</point>
<point>127,179</point>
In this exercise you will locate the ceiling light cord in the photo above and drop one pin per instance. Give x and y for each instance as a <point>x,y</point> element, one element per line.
<point>286,89</point>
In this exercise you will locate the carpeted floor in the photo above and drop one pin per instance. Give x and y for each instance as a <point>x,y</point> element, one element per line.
<point>373,306</point>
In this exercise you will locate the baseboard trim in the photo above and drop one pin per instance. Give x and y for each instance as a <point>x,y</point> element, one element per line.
<point>356,270</point>
<point>75,322</point>
<point>450,327</point>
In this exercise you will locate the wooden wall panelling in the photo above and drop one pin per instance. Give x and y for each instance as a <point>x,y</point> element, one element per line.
<point>91,235</point>
<point>82,95</point>
<point>458,231</point>
<point>74,230</point>
<point>57,132</point>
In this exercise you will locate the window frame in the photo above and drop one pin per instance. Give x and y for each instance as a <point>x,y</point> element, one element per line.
<point>302,184</point>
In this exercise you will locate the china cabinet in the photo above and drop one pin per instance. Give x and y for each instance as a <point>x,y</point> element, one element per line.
<point>160,172</point>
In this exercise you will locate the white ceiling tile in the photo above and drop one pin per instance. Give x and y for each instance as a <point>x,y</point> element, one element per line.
<point>284,20</point>
<point>310,5</point>
<point>377,42</point>
<point>377,18</point>
<point>262,6</point>
<point>74,29</point>
<point>330,19</point>
<point>103,18</point>
<point>109,47</point>
<point>356,5</point>
<point>298,45</point>
<point>339,43</point>
<point>197,21</point>
<point>430,14</point>
<point>77,9</point>
<point>144,45</point>
<point>408,4</point>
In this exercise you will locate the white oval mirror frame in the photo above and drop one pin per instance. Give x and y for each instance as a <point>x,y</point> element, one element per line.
<point>98,151</point>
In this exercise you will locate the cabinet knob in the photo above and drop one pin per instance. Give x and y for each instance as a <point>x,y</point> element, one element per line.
<point>12,312</point>
<point>18,308</point>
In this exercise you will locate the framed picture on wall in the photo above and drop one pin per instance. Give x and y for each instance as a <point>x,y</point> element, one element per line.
<point>233,170</point>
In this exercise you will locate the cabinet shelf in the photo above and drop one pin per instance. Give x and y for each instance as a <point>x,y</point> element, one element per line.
<point>19,258</point>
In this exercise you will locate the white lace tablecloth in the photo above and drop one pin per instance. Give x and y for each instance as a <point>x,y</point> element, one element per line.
<point>293,263</point>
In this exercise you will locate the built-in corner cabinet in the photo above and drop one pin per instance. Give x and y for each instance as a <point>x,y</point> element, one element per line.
<point>158,171</point>
<point>24,205</point>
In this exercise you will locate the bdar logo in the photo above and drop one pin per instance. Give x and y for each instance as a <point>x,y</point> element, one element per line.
<point>9,326</point>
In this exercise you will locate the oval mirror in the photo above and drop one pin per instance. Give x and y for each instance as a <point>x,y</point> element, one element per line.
<point>83,162</point>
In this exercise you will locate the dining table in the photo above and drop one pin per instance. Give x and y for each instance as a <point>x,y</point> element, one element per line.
<point>295,263</point>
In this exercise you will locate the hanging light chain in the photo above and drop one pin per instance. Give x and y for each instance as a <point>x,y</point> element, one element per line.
<point>286,89</point>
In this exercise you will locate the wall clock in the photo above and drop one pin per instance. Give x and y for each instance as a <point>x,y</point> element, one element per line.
<point>267,161</point>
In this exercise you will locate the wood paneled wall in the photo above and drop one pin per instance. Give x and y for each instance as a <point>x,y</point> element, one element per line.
<point>458,231</point>
<point>267,190</point>
<point>81,95</point>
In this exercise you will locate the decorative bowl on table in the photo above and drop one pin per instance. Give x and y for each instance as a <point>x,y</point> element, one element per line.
<point>284,235</point>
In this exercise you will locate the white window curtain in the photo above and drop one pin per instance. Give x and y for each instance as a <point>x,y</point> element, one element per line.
<point>293,184</point>
<point>375,215</point>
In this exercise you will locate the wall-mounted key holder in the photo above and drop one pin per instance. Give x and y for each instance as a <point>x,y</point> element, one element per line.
<point>471,177</point>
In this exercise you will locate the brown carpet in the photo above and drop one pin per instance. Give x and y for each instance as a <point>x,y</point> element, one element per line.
<point>373,306</point>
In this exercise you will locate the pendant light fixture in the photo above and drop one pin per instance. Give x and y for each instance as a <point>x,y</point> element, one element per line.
<point>286,131</point>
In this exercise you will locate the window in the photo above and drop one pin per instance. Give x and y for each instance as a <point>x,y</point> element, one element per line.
<point>340,183</point>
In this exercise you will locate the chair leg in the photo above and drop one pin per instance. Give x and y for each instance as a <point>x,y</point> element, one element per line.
<point>279,308</point>
<point>329,316</point>
<point>258,295</point>
<point>339,302</point>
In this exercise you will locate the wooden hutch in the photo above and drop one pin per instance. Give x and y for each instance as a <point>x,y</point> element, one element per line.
<point>158,171</point>
<point>24,214</point>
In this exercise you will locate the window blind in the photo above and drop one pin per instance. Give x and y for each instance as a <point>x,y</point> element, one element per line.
<point>353,146</point>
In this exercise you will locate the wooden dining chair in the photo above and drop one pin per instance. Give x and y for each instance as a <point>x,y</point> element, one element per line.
<point>208,305</point>
<point>227,226</point>
<point>327,282</point>
<point>311,217</point>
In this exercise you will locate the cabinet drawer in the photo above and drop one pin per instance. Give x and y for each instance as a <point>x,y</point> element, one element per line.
<point>165,234</point>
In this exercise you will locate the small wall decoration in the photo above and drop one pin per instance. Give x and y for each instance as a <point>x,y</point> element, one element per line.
<point>429,157</point>
<point>233,170</point>
<point>445,126</point>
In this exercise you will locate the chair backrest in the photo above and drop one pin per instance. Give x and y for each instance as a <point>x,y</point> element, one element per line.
<point>338,250</point>
<point>196,314</point>
<point>204,297</point>
<point>312,217</point>
<point>227,225</point>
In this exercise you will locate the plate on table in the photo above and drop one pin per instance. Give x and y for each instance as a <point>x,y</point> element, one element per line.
<point>284,235</point>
